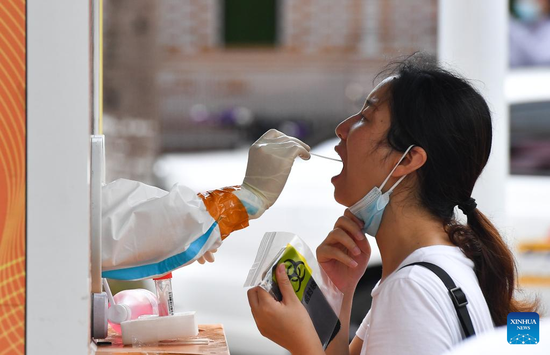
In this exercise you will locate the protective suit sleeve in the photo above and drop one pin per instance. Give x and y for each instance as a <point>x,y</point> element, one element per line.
<point>147,232</point>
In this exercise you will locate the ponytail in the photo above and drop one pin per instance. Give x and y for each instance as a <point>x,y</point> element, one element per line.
<point>494,265</point>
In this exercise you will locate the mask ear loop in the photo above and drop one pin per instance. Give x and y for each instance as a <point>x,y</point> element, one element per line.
<point>395,167</point>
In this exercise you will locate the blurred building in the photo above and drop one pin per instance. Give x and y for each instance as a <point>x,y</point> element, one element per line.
<point>215,74</point>
<point>131,112</point>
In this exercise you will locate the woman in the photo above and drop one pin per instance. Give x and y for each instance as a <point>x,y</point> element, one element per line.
<point>424,133</point>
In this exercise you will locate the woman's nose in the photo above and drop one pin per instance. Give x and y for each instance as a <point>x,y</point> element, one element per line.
<point>343,128</point>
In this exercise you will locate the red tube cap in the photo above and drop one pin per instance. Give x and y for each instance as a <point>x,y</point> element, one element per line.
<point>164,277</point>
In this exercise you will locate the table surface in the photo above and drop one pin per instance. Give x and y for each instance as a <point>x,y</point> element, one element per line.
<point>213,332</point>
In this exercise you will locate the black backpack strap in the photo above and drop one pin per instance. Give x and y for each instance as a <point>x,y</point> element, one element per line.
<point>457,296</point>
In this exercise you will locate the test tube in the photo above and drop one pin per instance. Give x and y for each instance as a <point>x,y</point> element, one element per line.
<point>163,286</point>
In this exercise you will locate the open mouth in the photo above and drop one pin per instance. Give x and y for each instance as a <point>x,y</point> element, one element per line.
<point>338,150</point>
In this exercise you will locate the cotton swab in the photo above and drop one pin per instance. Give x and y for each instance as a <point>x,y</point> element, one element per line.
<point>322,156</point>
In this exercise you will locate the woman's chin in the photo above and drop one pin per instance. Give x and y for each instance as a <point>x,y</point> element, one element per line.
<point>341,193</point>
<point>334,182</point>
<point>341,199</point>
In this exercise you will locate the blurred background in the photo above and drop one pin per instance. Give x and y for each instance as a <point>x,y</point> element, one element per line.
<point>202,75</point>
<point>190,84</point>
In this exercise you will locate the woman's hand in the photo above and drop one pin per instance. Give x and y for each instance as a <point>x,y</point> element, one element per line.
<point>287,323</point>
<point>345,252</point>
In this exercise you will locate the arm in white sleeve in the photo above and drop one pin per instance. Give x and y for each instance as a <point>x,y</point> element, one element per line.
<point>147,232</point>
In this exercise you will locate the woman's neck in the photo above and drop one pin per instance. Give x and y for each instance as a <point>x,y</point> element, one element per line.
<point>404,229</point>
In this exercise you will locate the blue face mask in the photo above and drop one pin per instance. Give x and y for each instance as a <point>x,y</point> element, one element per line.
<point>370,208</point>
<point>528,11</point>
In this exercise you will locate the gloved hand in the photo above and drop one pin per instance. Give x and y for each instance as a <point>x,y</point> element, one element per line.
<point>270,159</point>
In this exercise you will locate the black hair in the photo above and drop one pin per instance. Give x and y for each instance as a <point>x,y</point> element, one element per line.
<point>444,114</point>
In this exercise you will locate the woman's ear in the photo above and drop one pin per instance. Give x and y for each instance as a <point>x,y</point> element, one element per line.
<point>413,161</point>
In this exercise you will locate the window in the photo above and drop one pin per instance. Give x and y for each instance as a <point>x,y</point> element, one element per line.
<point>250,22</point>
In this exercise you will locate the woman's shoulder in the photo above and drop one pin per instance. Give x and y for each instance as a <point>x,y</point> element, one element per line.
<point>415,302</point>
<point>450,259</point>
<point>418,284</point>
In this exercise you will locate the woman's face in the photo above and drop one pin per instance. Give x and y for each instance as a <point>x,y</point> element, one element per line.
<point>363,148</point>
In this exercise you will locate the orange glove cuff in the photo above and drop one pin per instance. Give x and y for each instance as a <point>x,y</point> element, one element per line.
<point>226,209</point>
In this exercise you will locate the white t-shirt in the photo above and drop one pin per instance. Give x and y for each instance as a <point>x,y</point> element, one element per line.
<point>412,312</point>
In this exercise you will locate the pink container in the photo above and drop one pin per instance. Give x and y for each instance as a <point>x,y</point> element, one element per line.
<point>131,304</point>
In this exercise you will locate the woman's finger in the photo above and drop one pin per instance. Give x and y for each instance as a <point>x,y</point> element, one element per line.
<point>265,300</point>
<point>350,226</point>
<point>328,252</point>
<point>284,284</point>
<point>354,218</point>
<point>364,245</point>
<point>339,236</point>
<point>253,298</point>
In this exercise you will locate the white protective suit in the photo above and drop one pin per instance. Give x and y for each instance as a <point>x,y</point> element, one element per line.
<point>148,232</point>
